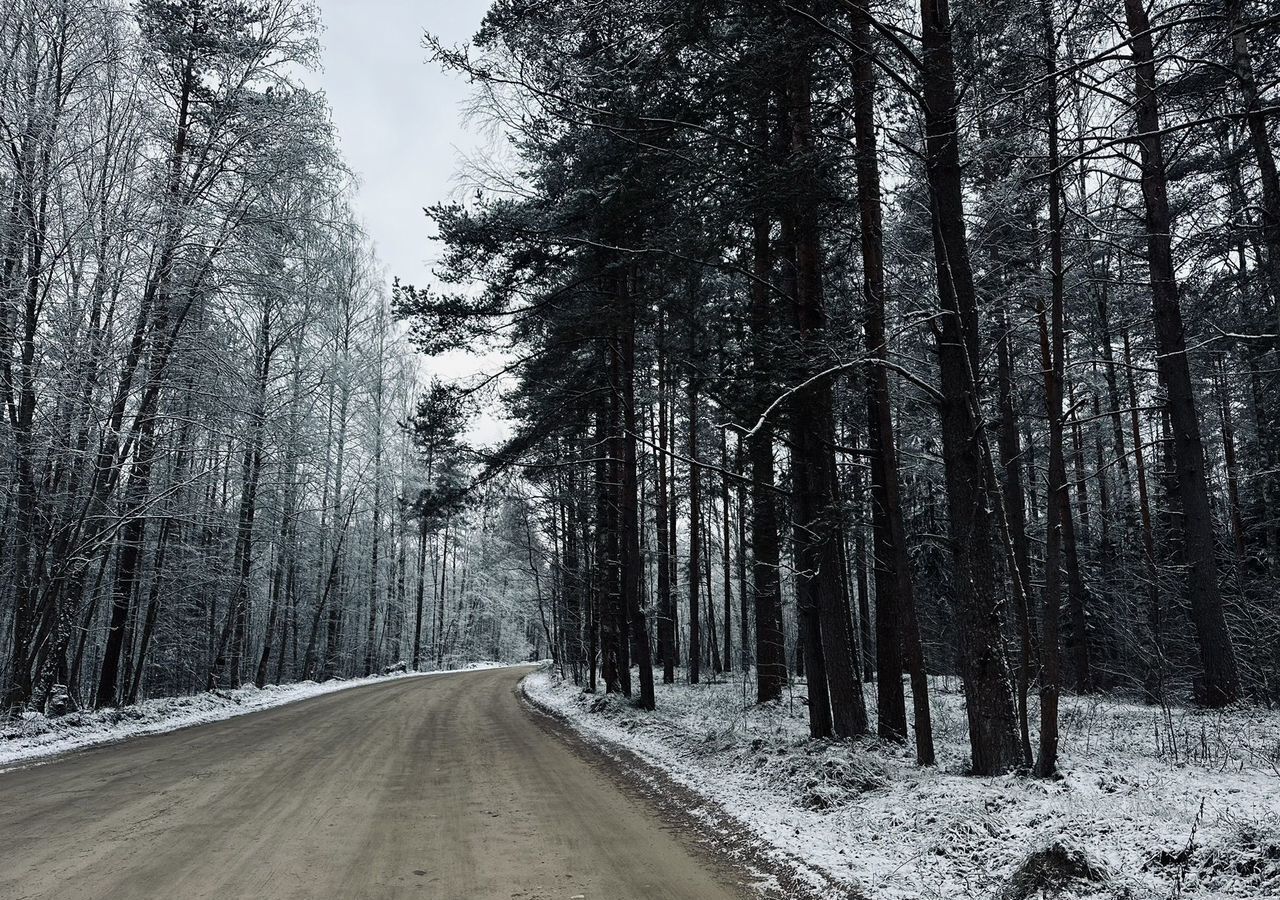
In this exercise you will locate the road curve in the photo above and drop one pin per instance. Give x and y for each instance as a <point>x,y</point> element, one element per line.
<point>443,787</point>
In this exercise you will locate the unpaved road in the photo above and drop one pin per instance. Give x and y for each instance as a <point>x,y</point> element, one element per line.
<point>443,788</point>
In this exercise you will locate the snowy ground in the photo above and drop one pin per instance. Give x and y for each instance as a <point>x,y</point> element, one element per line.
<point>34,737</point>
<point>1152,803</point>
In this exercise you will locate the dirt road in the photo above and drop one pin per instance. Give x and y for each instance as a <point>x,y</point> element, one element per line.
<point>442,788</point>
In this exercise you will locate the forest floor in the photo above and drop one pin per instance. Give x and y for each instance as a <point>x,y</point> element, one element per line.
<point>34,737</point>
<point>1151,802</point>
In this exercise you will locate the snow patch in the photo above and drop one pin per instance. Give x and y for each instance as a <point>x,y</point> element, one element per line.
<point>1151,803</point>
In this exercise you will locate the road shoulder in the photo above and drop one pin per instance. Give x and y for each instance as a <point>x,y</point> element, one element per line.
<point>718,838</point>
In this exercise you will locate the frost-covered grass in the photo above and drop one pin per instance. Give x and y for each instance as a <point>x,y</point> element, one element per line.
<point>34,737</point>
<point>1151,804</point>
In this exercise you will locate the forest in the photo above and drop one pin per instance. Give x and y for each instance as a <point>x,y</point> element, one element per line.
<point>830,449</point>
<point>209,475</point>
<point>853,342</point>
<point>843,347</point>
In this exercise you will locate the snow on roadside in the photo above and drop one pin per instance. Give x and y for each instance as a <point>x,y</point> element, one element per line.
<point>1156,803</point>
<point>34,737</point>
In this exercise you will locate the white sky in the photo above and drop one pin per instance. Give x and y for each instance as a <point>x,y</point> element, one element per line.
<point>399,117</point>
<point>401,126</point>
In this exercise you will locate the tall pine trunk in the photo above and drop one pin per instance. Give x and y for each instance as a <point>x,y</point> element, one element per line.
<point>1052,359</point>
<point>632,560</point>
<point>1217,654</point>
<point>816,531</point>
<point>694,650</point>
<point>898,630</point>
<point>766,585</point>
<point>666,614</point>
<point>989,702</point>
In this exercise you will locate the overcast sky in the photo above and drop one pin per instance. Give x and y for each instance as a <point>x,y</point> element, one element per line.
<point>400,120</point>
<point>399,116</point>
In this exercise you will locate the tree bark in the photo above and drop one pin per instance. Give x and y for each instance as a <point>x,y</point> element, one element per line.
<point>666,618</point>
<point>770,649</point>
<point>816,528</point>
<point>897,628</point>
<point>694,650</point>
<point>989,699</point>
<point>1053,364</point>
<point>1217,654</point>
<point>633,562</point>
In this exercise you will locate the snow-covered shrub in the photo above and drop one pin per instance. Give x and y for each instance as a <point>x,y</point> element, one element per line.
<point>1051,870</point>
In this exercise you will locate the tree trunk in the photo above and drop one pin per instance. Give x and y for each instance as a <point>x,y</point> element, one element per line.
<point>812,425</point>
<point>1053,364</point>
<point>1217,654</point>
<point>989,699</point>
<point>897,628</point>
<point>666,616</point>
<point>615,632</point>
<point>694,650</point>
<point>1015,513</point>
<point>422,585</point>
<point>770,649</point>
<point>726,557</point>
<point>632,560</point>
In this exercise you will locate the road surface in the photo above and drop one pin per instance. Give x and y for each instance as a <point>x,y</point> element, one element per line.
<point>442,788</point>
